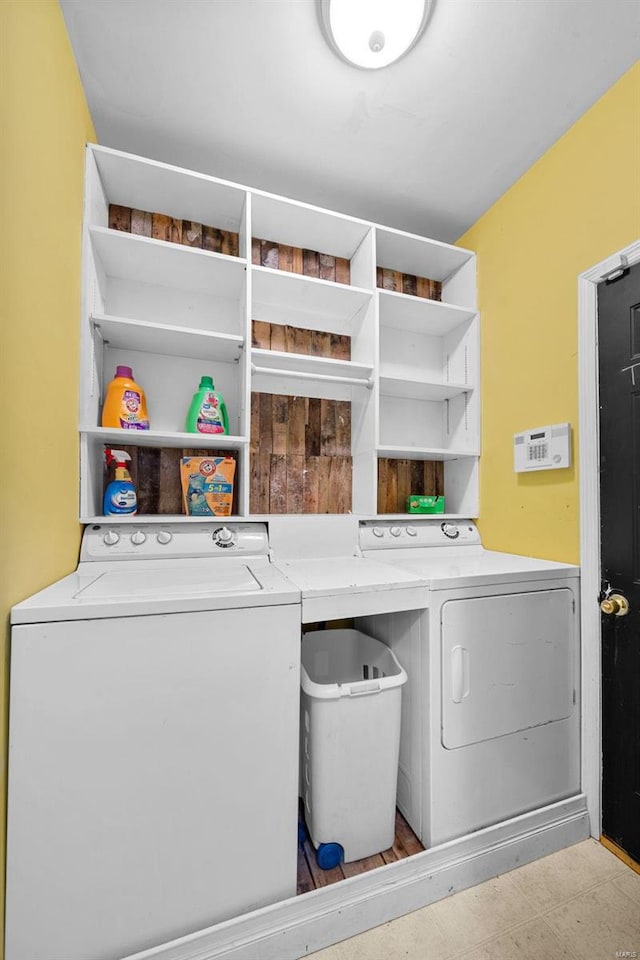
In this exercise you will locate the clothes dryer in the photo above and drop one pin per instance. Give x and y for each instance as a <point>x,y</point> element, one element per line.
<point>491,721</point>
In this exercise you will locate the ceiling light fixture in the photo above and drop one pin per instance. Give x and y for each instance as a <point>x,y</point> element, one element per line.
<point>373,33</point>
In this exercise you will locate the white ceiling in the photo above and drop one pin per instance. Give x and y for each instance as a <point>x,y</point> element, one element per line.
<point>249,90</point>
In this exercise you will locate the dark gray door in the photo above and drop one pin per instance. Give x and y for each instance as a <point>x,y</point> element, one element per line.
<point>619,352</point>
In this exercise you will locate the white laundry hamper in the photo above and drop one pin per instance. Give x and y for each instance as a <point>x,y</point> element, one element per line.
<point>349,743</point>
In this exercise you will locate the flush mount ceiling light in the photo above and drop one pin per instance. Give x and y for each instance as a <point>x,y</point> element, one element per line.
<point>373,33</point>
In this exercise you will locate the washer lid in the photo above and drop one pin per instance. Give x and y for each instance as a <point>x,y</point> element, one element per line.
<point>185,579</point>
<point>148,587</point>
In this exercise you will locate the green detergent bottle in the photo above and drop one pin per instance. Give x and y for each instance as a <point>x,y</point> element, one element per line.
<point>208,411</point>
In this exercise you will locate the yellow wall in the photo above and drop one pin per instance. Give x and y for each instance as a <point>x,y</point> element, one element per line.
<point>44,124</point>
<point>575,206</point>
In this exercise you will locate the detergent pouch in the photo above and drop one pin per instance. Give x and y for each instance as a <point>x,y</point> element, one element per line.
<point>207,485</point>
<point>417,503</point>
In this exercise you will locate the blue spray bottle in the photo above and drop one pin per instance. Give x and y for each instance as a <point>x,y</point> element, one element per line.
<point>120,495</point>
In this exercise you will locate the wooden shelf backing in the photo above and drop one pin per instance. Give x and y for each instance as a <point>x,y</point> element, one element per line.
<point>286,338</point>
<point>398,479</point>
<point>300,455</point>
<point>309,263</point>
<point>159,226</point>
<point>408,283</point>
<point>155,472</point>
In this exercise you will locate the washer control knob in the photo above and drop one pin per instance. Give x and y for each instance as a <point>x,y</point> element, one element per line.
<point>223,537</point>
<point>412,532</point>
<point>138,537</point>
<point>111,537</point>
<point>450,530</point>
<point>395,531</point>
<point>377,531</point>
<point>164,536</point>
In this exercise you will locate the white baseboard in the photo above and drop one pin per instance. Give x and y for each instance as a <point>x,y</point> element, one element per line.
<point>301,925</point>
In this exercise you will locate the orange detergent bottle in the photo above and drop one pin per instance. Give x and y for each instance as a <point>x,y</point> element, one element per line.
<point>125,405</point>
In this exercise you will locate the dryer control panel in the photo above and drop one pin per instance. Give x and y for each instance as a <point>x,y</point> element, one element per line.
<point>417,532</point>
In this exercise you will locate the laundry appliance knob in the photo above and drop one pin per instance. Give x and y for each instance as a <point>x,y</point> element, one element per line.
<point>377,531</point>
<point>111,537</point>
<point>450,530</point>
<point>223,537</point>
<point>412,532</point>
<point>164,536</point>
<point>395,531</point>
<point>138,537</point>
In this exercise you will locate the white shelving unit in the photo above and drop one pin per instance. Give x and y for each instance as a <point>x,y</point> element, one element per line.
<point>174,313</point>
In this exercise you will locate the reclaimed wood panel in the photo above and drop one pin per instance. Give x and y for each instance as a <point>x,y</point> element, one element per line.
<point>159,226</point>
<point>398,479</point>
<point>295,483</point>
<point>311,877</point>
<point>280,430</point>
<point>259,480</point>
<point>310,263</point>
<point>120,217</point>
<point>408,283</point>
<point>279,337</point>
<point>356,867</point>
<point>288,339</point>
<point>140,223</point>
<point>277,483</point>
<point>311,479</point>
<point>300,453</point>
<point>155,472</point>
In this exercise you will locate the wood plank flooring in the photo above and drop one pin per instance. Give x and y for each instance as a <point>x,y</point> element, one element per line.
<point>310,876</point>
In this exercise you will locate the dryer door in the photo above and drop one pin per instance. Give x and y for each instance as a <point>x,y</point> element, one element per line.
<point>508,663</point>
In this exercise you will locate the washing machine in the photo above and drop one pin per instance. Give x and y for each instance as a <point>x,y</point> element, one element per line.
<point>153,741</point>
<point>491,713</point>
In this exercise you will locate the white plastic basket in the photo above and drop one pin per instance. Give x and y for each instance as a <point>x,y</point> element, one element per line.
<point>350,741</point>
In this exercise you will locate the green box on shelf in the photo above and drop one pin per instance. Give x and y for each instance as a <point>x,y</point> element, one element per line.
<point>419,504</point>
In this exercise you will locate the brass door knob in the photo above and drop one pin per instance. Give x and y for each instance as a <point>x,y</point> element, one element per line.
<point>615,604</point>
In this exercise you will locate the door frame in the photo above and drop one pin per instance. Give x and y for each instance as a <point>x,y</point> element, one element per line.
<point>589,461</point>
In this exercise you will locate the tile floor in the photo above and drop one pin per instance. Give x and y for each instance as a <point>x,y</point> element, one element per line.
<point>579,904</point>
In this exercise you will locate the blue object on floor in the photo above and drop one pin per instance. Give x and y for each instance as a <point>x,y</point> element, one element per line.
<point>302,832</point>
<point>329,855</point>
